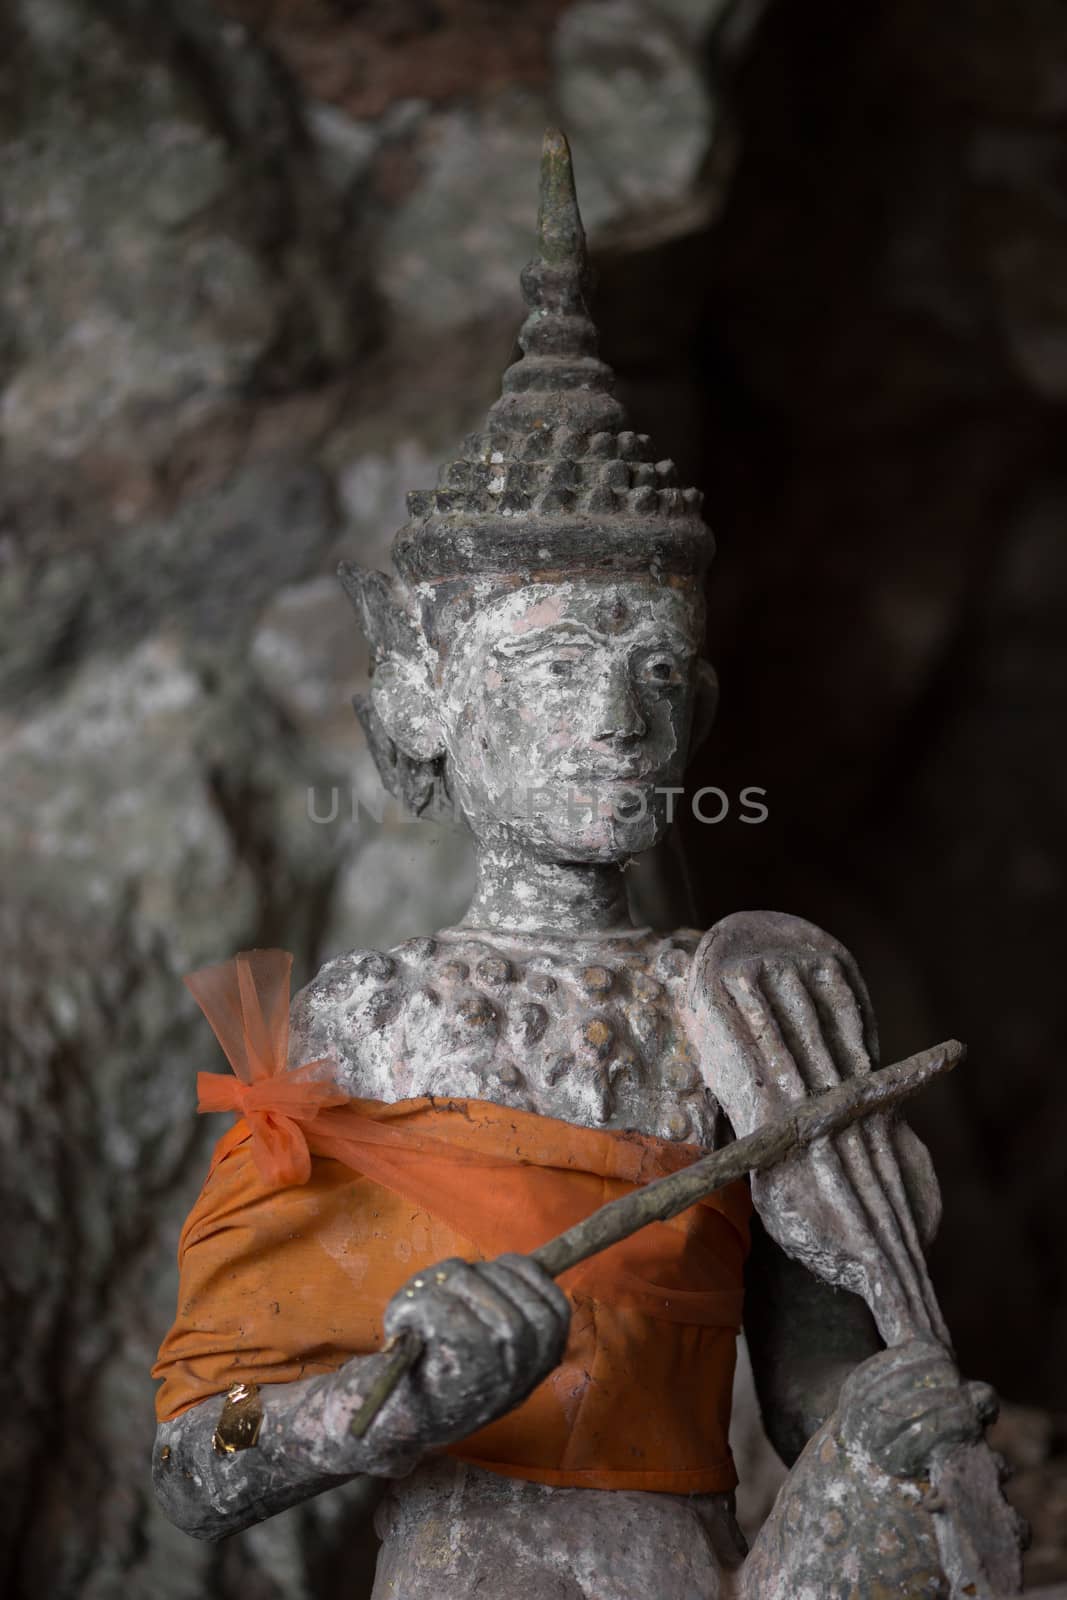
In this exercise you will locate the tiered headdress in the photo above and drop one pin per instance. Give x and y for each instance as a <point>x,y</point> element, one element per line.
<point>555,482</point>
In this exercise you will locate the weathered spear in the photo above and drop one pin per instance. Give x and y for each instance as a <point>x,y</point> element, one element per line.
<point>809,1120</point>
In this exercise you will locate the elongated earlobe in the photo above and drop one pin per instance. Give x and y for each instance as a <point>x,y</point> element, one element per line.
<point>402,695</point>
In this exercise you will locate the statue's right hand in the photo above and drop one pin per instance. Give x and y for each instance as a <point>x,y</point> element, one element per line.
<point>490,1332</point>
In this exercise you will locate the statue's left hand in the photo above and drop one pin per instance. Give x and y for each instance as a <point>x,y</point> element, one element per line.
<point>778,1012</point>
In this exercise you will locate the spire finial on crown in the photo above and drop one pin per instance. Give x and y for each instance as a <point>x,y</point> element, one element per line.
<point>559,223</point>
<point>560,379</point>
<point>554,479</point>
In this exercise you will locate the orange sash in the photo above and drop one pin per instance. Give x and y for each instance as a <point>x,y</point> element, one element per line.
<point>284,1277</point>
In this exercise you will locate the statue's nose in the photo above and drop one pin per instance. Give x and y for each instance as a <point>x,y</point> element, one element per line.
<point>617,714</point>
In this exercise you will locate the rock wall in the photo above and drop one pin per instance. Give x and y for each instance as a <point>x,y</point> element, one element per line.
<point>260,276</point>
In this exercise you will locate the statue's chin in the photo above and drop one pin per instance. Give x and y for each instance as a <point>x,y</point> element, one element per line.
<point>605,840</point>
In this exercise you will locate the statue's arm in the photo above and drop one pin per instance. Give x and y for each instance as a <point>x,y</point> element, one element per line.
<point>778,1010</point>
<point>490,1331</point>
<point>804,1338</point>
<point>304,1447</point>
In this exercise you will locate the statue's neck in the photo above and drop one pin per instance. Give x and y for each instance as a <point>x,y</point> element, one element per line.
<point>518,893</point>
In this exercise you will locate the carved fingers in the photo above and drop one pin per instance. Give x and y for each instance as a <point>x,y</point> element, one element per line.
<point>905,1408</point>
<point>779,1013</point>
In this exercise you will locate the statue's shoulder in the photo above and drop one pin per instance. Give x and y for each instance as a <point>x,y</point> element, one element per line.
<point>348,1011</point>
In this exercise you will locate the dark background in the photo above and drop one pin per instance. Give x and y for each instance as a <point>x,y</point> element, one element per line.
<point>260,276</point>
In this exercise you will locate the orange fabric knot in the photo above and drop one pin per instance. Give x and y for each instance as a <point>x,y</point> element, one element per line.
<point>246,1001</point>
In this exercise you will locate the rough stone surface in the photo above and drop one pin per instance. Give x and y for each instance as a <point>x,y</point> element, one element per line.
<point>593,1035</point>
<point>131,805</point>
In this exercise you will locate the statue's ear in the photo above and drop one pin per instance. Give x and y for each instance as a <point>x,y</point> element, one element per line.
<point>706,704</point>
<point>403,698</point>
<point>400,715</point>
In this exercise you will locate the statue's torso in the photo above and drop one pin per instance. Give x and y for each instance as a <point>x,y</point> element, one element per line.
<point>590,1031</point>
<point>455,1532</point>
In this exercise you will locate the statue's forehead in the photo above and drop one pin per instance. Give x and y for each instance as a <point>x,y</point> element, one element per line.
<point>612,607</point>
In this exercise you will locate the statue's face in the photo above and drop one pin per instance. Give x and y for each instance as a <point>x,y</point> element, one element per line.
<point>566,713</point>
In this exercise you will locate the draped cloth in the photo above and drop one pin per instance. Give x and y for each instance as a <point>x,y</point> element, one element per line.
<point>318,1206</point>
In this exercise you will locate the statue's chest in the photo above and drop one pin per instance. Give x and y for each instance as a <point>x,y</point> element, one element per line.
<point>590,1034</point>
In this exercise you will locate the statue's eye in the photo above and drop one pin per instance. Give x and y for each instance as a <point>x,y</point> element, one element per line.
<point>563,661</point>
<point>662,671</point>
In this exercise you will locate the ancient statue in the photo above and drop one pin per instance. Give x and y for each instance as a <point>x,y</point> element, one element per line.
<point>537,660</point>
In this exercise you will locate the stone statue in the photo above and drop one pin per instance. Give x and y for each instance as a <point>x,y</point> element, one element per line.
<point>537,661</point>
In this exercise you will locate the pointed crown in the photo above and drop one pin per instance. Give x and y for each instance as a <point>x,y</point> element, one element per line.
<point>554,483</point>
<point>555,480</point>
